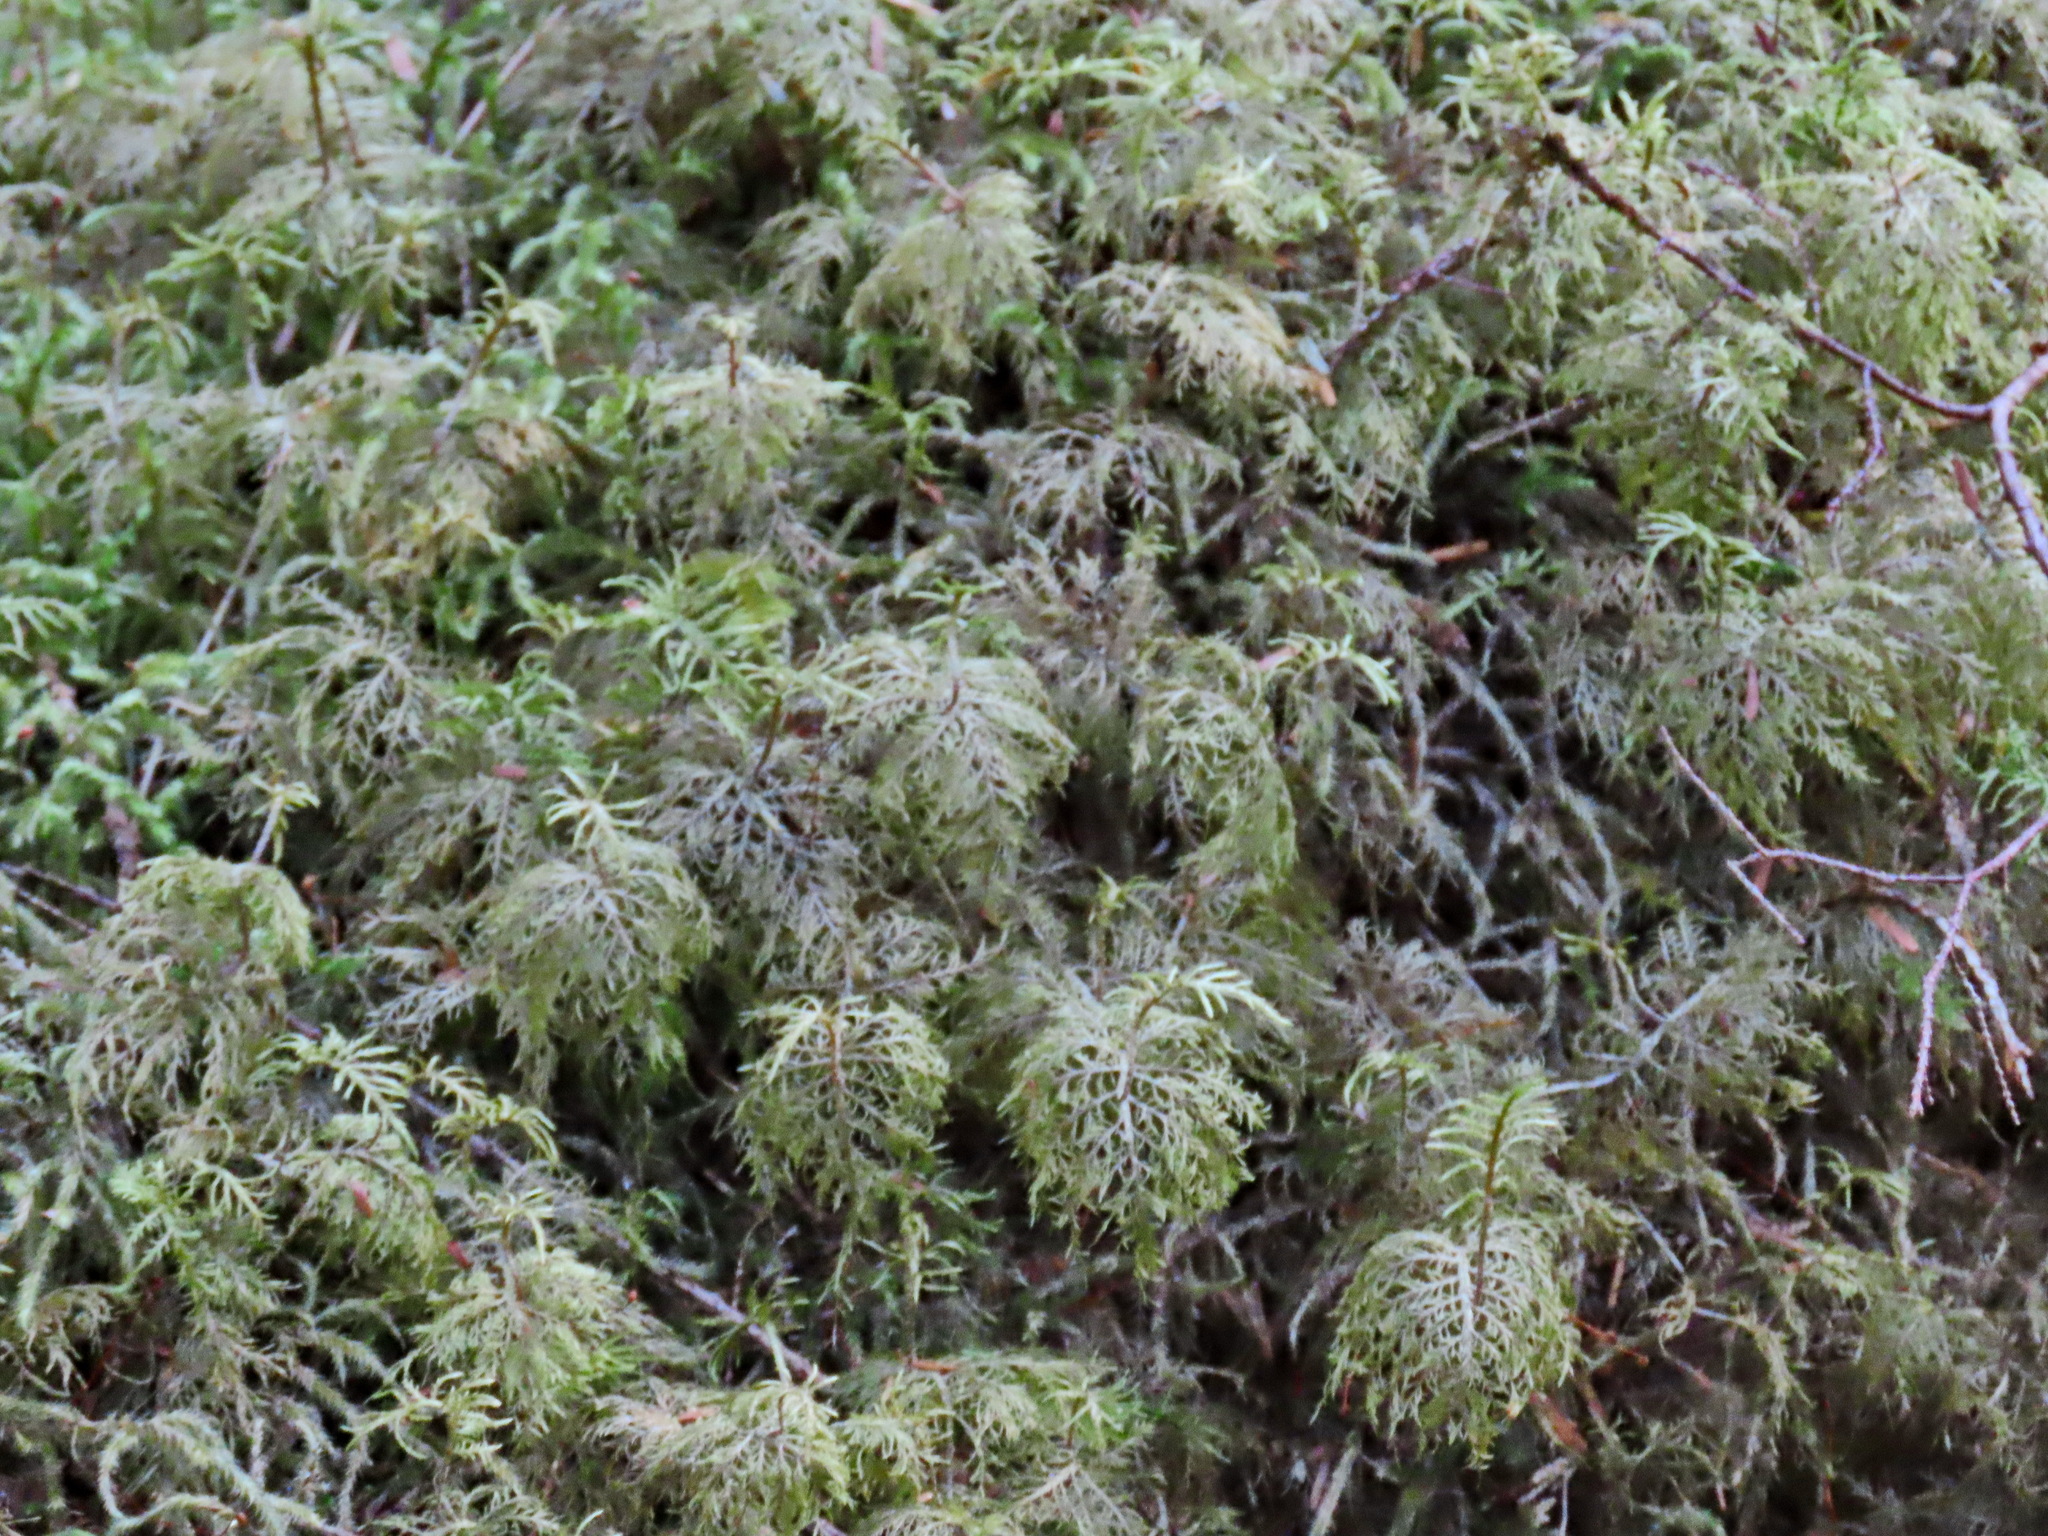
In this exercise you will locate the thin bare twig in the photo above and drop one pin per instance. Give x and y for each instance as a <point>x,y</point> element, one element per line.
<point>1543,421</point>
<point>485,348</point>
<point>1952,933</point>
<point>1333,1493</point>
<point>1735,868</point>
<point>670,1276</point>
<point>2010,477</point>
<point>348,123</point>
<point>2009,1053</point>
<point>220,611</point>
<point>513,65</point>
<point>1983,979</point>
<point>319,118</point>
<point>1776,215</point>
<point>82,892</point>
<point>1873,419</point>
<point>951,199</point>
<point>1425,277</point>
<point>1555,146</point>
<point>1997,412</point>
<point>30,899</point>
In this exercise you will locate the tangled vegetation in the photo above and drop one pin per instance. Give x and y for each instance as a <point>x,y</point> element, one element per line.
<point>1023,767</point>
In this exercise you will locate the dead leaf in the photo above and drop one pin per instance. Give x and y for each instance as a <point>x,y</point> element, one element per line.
<point>1559,1425</point>
<point>1892,928</point>
<point>1471,549</point>
<point>1966,483</point>
<point>400,59</point>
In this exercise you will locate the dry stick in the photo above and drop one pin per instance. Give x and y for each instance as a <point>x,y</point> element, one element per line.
<point>1791,928</point>
<point>1776,215</point>
<point>1979,973</point>
<point>1874,421</point>
<point>513,65</point>
<point>725,1311</point>
<point>952,202</point>
<point>476,366</point>
<point>1543,421</point>
<point>2017,491</point>
<point>1340,1479</point>
<point>220,611</point>
<point>1951,934</point>
<point>348,124</point>
<point>1997,412</point>
<point>1734,287</point>
<point>1425,277</point>
<point>319,119</point>
<point>30,899</point>
<point>82,892</point>
<point>345,338</point>
<point>1761,853</point>
<point>1953,941</point>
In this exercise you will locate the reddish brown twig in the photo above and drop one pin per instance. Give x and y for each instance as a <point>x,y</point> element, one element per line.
<point>1997,412</point>
<point>1543,421</point>
<point>1760,853</point>
<point>1734,287</point>
<point>1425,277</point>
<point>951,199</point>
<point>348,122</point>
<point>513,65</point>
<point>82,892</point>
<point>30,899</point>
<point>313,95</point>
<point>1612,1340</point>
<point>1778,216</point>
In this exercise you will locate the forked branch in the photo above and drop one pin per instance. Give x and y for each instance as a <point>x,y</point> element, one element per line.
<point>1439,268</point>
<point>2009,1053</point>
<point>1996,413</point>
